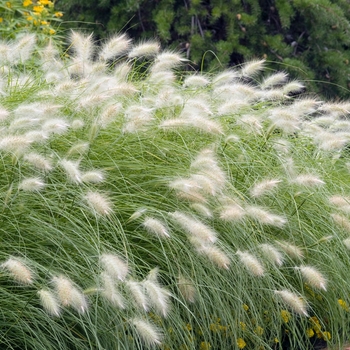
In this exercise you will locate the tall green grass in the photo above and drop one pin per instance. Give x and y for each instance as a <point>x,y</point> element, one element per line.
<point>142,207</point>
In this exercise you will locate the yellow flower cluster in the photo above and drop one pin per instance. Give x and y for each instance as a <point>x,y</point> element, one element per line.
<point>35,15</point>
<point>316,330</point>
<point>343,304</point>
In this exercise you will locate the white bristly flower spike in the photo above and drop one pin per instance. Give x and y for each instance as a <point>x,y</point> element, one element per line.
<point>137,292</point>
<point>187,289</point>
<point>32,184</point>
<point>158,296</point>
<point>308,180</point>
<point>252,264</point>
<point>291,250</point>
<point>148,332</point>
<point>18,270</point>
<point>271,254</point>
<point>215,255</point>
<point>72,170</point>
<point>264,187</point>
<point>313,277</point>
<point>114,266</point>
<point>99,203</point>
<point>115,46</point>
<point>156,227</point>
<point>145,49</point>
<point>49,302</point>
<point>110,291</point>
<point>294,301</point>
<point>251,68</point>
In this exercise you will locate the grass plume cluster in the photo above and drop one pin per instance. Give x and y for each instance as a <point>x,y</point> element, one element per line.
<point>144,208</point>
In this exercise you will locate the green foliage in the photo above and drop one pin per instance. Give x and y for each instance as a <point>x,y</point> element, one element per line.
<point>18,16</point>
<point>314,32</point>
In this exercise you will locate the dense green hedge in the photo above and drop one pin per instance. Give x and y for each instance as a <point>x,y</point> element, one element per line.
<point>307,37</point>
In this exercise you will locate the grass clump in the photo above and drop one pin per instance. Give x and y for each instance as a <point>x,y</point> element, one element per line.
<point>141,208</point>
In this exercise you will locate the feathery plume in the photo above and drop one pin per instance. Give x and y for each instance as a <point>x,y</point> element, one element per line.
<point>166,61</point>
<point>293,87</point>
<point>32,184</point>
<point>137,291</point>
<point>232,212</point>
<point>14,143</point>
<point>55,126</point>
<point>265,217</point>
<point>18,270</point>
<point>271,254</point>
<point>78,148</point>
<point>273,80</point>
<point>38,161</point>
<point>225,77</point>
<point>252,264</point>
<point>343,203</point>
<point>147,331</point>
<point>194,227</point>
<point>196,81</point>
<point>145,49</point>
<point>109,115</point>
<point>251,68</point>
<point>308,180</point>
<point>82,45</point>
<point>313,277</point>
<point>114,47</point>
<point>114,265</point>
<point>155,227</point>
<point>295,302</point>
<point>22,48</point>
<point>158,296</point>
<point>342,221</point>
<point>99,203</point>
<point>202,210</point>
<point>72,170</point>
<point>291,250</point>
<point>215,255</point>
<point>49,302</point>
<point>187,289</point>
<point>69,294</point>
<point>264,187</point>
<point>93,176</point>
<point>346,242</point>
<point>110,292</point>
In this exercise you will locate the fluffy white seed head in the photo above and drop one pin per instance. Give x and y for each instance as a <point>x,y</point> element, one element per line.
<point>114,47</point>
<point>308,180</point>
<point>110,292</point>
<point>313,277</point>
<point>294,301</point>
<point>82,45</point>
<point>114,266</point>
<point>291,250</point>
<point>71,169</point>
<point>202,210</point>
<point>156,227</point>
<point>110,114</point>
<point>32,184</point>
<point>196,81</point>
<point>215,255</point>
<point>293,87</point>
<point>273,80</point>
<point>194,227</point>
<point>265,217</point>
<point>251,263</point>
<point>251,68</point>
<point>264,187</point>
<point>341,202</point>
<point>18,270</point>
<point>99,203</point>
<point>346,242</point>
<point>166,61</point>
<point>145,49</point>
<point>271,254</point>
<point>158,296</point>
<point>137,292</point>
<point>187,289</point>
<point>93,176</point>
<point>22,48</point>
<point>148,332</point>
<point>341,221</point>
<point>69,295</point>
<point>14,143</point>
<point>38,161</point>
<point>49,302</point>
<point>232,212</point>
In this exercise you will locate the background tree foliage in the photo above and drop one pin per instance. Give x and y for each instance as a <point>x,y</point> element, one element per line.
<point>309,38</point>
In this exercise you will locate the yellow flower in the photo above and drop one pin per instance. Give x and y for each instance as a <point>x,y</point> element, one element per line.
<point>285,316</point>
<point>1,19</point>
<point>29,18</point>
<point>241,343</point>
<point>44,2</point>
<point>8,4</point>
<point>213,327</point>
<point>44,23</point>
<point>188,327</point>
<point>204,346</point>
<point>310,332</point>
<point>343,304</point>
<point>327,336</point>
<point>245,307</point>
<point>276,340</point>
<point>259,330</point>
<point>27,3</point>
<point>38,9</point>
<point>52,31</point>
<point>243,326</point>
<point>58,14</point>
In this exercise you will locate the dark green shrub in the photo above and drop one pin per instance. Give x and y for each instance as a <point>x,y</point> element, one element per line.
<point>307,37</point>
